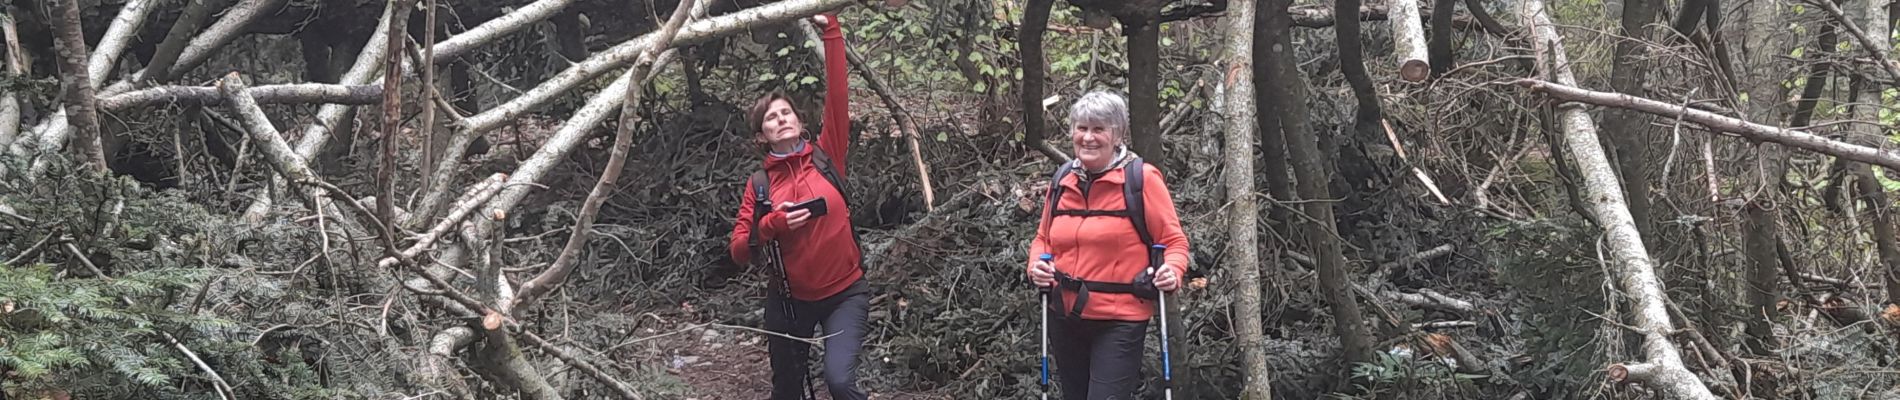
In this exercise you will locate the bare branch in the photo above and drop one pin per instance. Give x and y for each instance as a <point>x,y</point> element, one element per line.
<point>624,53</point>
<point>1787,137</point>
<point>234,23</point>
<point>298,93</point>
<point>617,159</point>
<point>1866,42</point>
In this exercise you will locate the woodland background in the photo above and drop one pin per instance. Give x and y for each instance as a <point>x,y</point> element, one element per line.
<point>219,198</point>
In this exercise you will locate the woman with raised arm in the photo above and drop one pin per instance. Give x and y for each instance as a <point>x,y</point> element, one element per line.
<point>793,218</point>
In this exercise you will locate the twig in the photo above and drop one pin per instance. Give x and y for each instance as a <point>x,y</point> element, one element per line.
<point>1867,42</point>
<point>30,249</point>
<point>1420,173</point>
<point>1444,325</point>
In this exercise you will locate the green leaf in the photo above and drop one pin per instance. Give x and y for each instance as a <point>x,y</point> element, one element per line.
<point>980,86</point>
<point>808,80</point>
<point>943,137</point>
<point>976,56</point>
<point>1798,51</point>
<point>1800,9</point>
<point>782,51</point>
<point>767,76</point>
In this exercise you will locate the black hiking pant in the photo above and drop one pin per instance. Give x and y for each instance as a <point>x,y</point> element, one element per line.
<point>1096,359</point>
<point>842,315</point>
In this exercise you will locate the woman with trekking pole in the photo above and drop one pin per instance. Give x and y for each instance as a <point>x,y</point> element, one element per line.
<point>793,220</point>
<point>1108,248</point>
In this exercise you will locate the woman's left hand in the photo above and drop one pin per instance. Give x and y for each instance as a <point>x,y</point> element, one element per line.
<point>821,20</point>
<point>1166,280</point>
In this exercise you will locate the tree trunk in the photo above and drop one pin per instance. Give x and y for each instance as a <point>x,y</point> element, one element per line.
<point>1243,232</point>
<point>1144,87</point>
<point>1035,23</point>
<point>1630,143</point>
<point>1311,173</point>
<point>1758,239</point>
<point>1355,170</point>
<point>1873,21</point>
<point>1441,51</point>
<point>1408,40</point>
<point>75,79</point>
<point>1689,16</point>
<point>1270,25</point>
<point>397,38</point>
<point>1634,271</point>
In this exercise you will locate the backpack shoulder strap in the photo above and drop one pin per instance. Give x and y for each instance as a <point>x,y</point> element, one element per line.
<point>761,202</point>
<point>1055,189</point>
<point>822,162</point>
<point>1132,177</point>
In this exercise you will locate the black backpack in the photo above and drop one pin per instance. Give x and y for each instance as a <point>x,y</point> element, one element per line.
<point>762,198</point>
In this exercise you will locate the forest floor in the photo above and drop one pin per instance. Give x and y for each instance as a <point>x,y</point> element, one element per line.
<point>720,364</point>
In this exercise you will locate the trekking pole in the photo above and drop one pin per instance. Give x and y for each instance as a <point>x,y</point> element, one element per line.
<point>791,312</point>
<point>1046,257</point>
<point>1167,366</point>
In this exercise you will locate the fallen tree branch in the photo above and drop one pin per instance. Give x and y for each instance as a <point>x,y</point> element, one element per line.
<point>1634,270</point>
<point>1786,137</point>
<point>1430,299</point>
<point>208,96</point>
<point>472,200</point>
<point>1408,37</point>
<point>904,122</point>
<point>616,160</point>
<point>1444,325</point>
<point>622,54</point>
<point>234,23</point>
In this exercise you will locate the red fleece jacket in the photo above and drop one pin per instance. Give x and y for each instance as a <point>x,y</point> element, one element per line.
<point>1106,248</point>
<point>820,259</point>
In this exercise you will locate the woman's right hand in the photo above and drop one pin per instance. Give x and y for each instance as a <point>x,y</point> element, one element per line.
<point>1042,274</point>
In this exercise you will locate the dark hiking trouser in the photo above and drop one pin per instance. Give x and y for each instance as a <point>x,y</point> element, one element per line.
<point>842,315</point>
<point>1096,359</point>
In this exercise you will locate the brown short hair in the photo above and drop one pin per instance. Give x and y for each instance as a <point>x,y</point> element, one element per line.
<point>757,116</point>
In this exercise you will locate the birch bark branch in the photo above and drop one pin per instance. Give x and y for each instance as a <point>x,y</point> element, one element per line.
<point>624,53</point>
<point>1795,138</point>
<point>1408,37</point>
<point>1636,274</point>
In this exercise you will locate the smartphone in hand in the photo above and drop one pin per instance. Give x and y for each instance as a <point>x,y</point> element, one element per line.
<point>816,205</point>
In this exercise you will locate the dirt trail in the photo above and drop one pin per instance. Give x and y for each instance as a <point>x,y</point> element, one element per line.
<point>727,364</point>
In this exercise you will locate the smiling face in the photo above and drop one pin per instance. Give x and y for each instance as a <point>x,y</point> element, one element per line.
<point>779,126</point>
<point>1094,144</point>
<point>1098,123</point>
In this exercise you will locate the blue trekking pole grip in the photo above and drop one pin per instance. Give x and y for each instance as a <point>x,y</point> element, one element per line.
<point>1045,257</point>
<point>1167,367</point>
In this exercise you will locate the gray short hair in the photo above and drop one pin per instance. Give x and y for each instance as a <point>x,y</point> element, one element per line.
<point>1104,108</point>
